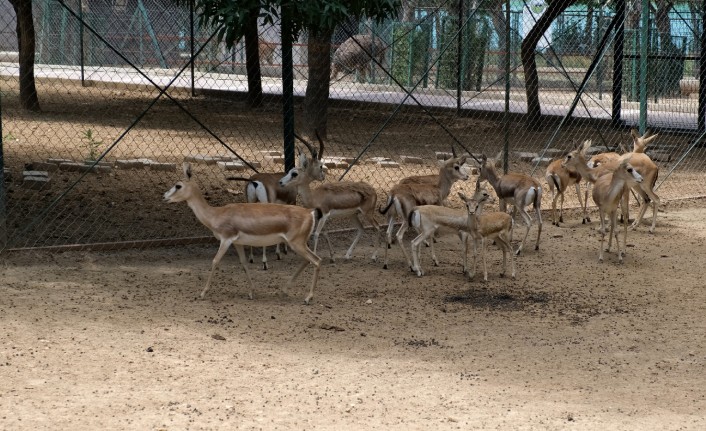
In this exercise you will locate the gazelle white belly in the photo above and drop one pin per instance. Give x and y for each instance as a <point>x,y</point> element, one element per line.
<point>259,240</point>
<point>344,213</point>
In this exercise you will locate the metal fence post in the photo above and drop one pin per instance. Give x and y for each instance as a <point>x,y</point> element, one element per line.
<point>459,54</point>
<point>702,72</point>
<point>191,30</point>
<point>506,116</point>
<point>644,40</point>
<point>287,89</point>
<point>618,53</point>
<point>3,207</point>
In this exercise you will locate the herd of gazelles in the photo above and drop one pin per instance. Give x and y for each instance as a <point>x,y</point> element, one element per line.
<point>419,201</point>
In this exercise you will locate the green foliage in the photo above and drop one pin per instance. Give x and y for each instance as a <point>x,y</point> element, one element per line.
<point>410,54</point>
<point>9,137</point>
<point>231,17</point>
<point>92,144</point>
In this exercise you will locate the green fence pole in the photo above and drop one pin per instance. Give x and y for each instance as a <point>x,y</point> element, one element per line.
<point>644,34</point>
<point>287,89</point>
<point>3,208</point>
<point>506,112</point>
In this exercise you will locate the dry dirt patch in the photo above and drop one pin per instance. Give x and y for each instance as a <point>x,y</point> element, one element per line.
<point>120,341</point>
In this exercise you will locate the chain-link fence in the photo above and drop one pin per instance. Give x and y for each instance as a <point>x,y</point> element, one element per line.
<point>122,105</point>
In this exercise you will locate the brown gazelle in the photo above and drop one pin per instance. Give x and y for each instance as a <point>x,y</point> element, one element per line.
<point>609,191</point>
<point>339,199</point>
<point>649,171</point>
<point>263,187</point>
<point>252,224</point>
<point>404,197</point>
<point>558,180</point>
<point>486,227</point>
<point>517,189</point>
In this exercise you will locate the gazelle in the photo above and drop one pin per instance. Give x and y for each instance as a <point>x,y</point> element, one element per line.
<point>649,171</point>
<point>609,191</point>
<point>641,162</point>
<point>486,227</point>
<point>263,187</point>
<point>339,199</point>
<point>517,189</point>
<point>639,143</point>
<point>404,197</point>
<point>252,224</point>
<point>559,179</point>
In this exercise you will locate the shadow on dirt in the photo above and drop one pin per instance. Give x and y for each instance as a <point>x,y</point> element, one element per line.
<point>497,300</point>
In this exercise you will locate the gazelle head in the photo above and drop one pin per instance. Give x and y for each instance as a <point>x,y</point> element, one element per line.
<point>640,142</point>
<point>628,172</point>
<point>453,168</point>
<point>577,156</point>
<point>480,197</point>
<point>309,169</point>
<point>182,190</point>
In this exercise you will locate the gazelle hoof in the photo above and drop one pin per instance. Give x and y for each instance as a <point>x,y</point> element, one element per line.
<point>265,267</point>
<point>384,266</point>
<point>536,247</point>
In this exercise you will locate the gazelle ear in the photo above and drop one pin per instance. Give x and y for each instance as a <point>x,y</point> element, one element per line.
<point>649,139</point>
<point>303,160</point>
<point>586,145</point>
<point>634,133</point>
<point>463,197</point>
<point>187,170</point>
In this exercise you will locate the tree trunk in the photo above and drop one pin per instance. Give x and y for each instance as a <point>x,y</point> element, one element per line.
<point>664,27</point>
<point>252,62</point>
<point>317,88</point>
<point>529,64</point>
<point>497,16</point>
<point>26,43</point>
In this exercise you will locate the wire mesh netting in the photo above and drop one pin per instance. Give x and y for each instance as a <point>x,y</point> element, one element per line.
<point>122,105</point>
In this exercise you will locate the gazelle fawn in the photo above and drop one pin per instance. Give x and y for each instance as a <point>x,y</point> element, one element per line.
<point>517,189</point>
<point>486,227</point>
<point>404,197</point>
<point>559,179</point>
<point>252,224</point>
<point>340,199</point>
<point>609,191</point>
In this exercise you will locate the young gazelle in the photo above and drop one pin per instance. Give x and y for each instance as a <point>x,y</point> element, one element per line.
<point>252,224</point>
<point>609,191</point>
<point>517,189</point>
<point>339,199</point>
<point>559,179</point>
<point>640,161</point>
<point>649,171</point>
<point>487,227</point>
<point>404,197</point>
<point>264,187</point>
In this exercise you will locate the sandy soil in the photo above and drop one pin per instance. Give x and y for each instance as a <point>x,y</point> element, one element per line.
<point>119,340</point>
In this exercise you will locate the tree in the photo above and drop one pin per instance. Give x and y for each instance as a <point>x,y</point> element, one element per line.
<point>318,17</point>
<point>26,43</point>
<point>529,63</point>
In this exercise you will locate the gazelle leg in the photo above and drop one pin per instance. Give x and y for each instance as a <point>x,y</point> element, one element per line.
<point>241,255</point>
<point>376,239</point>
<point>359,225</point>
<point>400,241</point>
<point>601,215</point>
<point>416,267</point>
<point>309,257</point>
<point>219,255</point>
<point>507,248</point>
<point>483,247</point>
<point>251,259</point>
<point>264,258</point>
<point>561,208</point>
<point>528,221</point>
<point>388,237</point>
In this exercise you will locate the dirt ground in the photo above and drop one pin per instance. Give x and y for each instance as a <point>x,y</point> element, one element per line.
<point>119,340</point>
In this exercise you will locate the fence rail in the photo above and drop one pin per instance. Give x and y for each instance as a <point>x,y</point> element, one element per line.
<point>122,109</point>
